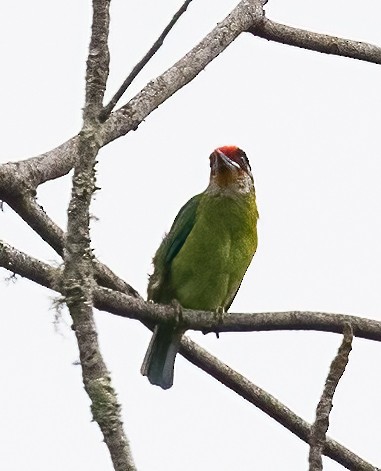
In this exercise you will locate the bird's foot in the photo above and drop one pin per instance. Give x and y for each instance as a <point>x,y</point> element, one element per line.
<point>179,320</point>
<point>219,318</point>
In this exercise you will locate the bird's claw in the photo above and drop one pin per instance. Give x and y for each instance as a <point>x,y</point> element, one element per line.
<point>179,319</point>
<point>219,318</point>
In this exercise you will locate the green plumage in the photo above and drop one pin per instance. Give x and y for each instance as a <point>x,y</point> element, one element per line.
<point>201,262</point>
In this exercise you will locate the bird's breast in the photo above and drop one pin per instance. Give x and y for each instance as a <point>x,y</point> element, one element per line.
<point>209,268</point>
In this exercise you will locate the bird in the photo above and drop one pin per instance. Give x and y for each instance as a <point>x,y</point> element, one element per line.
<point>202,260</point>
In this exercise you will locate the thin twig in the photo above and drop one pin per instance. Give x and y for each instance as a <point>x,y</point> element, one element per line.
<point>247,14</point>
<point>325,43</point>
<point>48,276</point>
<point>143,62</point>
<point>320,426</point>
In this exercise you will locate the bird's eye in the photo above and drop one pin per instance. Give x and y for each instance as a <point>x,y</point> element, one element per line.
<point>246,160</point>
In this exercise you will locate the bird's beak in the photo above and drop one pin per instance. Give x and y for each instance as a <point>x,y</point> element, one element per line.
<point>223,160</point>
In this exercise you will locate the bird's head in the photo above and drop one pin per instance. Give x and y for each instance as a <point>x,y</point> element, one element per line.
<point>229,167</point>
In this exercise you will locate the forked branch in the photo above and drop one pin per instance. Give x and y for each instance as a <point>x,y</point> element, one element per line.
<point>78,275</point>
<point>144,61</point>
<point>320,426</point>
<point>50,277</point>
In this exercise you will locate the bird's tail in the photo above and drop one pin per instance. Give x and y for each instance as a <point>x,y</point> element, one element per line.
<point>159,361</point>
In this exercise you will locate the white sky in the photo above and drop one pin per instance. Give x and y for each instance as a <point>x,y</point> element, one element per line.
<point>310,126</point>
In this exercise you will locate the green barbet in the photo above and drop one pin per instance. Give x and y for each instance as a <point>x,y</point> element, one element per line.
<point>202,260</point>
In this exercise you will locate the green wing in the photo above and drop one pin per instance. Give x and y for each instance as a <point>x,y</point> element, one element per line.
<point>181,228</point>
<point>158,286</point>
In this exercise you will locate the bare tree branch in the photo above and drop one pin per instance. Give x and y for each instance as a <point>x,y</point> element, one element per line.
<point>247,14</point>
<point>78,291</point>
<point>48,276</point>
<point>122,305</point>
<point>283,34</point>
<point>29,267</point>
<point>267,403</point>
<point>116,302</point>
<point>35,216</point>
<point>320,426</point>
<point>144,61</point>
<point>98,60</point>
<point>59,161</point>
<point>26,175</point>
<point>78,274</point>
